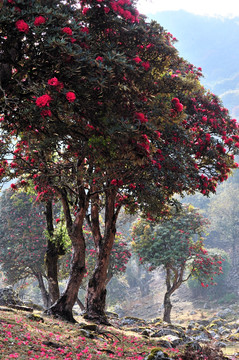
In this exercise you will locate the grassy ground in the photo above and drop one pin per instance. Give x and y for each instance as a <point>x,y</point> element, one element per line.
<point>26,338</point>
<point>22,338</point>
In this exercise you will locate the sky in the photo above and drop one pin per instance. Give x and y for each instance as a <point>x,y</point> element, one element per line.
<point>214,8</point>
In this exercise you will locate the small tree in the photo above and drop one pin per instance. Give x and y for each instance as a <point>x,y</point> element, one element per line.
<point>177,245</point>
<point>22,239</point>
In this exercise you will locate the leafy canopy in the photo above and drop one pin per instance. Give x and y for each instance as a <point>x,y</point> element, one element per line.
<point>96,97</point>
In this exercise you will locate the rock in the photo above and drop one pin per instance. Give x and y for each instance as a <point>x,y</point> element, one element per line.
<point>86,333</point>
<point>35,317</point>
<point>222,330</point>
<point>202,338</point>
<point>169,341</point>
<point>163,332</point>
<point>9,297</point>
<point>194,345</point>
<point>112,315</point>
<point>220,344</point>
<point>234,337</point>
<point>119,311</point>
<point>147,332</point>
<point>129,320</point>
<point>157,354</point>
<point>89,327</point>
<point>225,313</point>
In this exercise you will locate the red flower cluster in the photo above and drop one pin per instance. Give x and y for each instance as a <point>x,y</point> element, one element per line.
<point>67,30</point>
<point>116,182</point>
<point>53,81</point>
<point>22,26</point>
<point>177,105</point>
<point>70,96</point>
<point>39,20</point>
<point>45,113</point>
<point>43,100</point>
<point>141,117</point>
<point>118,7</point>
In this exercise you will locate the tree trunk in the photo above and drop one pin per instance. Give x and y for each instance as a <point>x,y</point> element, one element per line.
<point>81,305</point>
<point>45,296</point>
<point>63,306</point>
<point>167,308</point>
<point>174,275</point>
<point>51,259</point>
<point>96,290</point>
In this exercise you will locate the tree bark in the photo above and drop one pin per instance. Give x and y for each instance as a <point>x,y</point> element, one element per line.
<point>81,305</point>
<point>45,296</point>
<point>167,308</point>
<point>51,259</point>
<point>96,290</point>
<point>63,306</point>
<point>172,286</point>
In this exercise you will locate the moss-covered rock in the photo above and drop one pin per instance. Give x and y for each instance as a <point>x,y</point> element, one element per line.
<point>35,317</point>
<point>157,354</point>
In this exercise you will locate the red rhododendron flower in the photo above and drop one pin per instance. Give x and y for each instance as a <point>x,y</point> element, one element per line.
<point>113,182</point>
<point>99,58</point>
<point>53,81</point>
<point>39,20</point>
<point>85,10</point>
<point>106,9</point>
<point>141,117</point>
<point>137,59</point>
<point>67,30</point>
<point>43,100</point>
<point>146,65</point>
<point>22,26</point>
<point>114,6</point>
<point>70,96</point>
<point>45,113</point>
<point>178,106</point>
<point>127,14</point>
<point>175,100</point>
<point>85,29</point>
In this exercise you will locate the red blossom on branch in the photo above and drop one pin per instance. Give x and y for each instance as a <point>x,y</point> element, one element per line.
<point>70,96</point>
<point>39,20</point>
<point>141,117</point>
<point>22,26</point>
<point>67,30</point>
<point>43,100</point>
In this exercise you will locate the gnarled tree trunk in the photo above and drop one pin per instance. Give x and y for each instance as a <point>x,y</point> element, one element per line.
<point>63,306</point>
<point>174,278</point>
<point>96,290</point>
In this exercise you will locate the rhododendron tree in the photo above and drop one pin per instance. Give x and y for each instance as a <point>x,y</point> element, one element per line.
<point>177,245</point>
<point>104,114</point>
